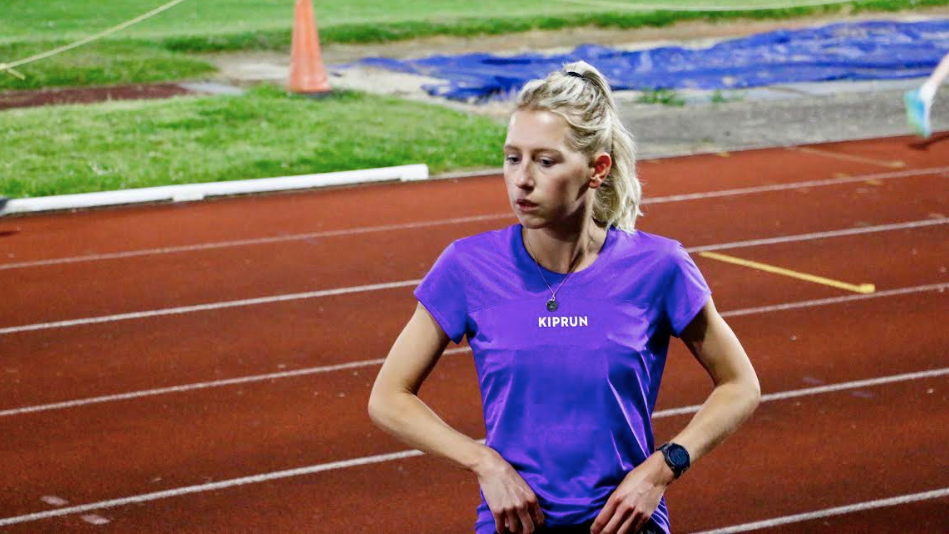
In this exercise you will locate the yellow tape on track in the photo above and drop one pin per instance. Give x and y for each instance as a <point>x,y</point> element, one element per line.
<point>861,288</point>
<point>890,164</point>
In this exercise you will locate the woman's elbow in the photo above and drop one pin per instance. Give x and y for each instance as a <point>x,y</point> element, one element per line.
<point>753,388</point>
<point>377,407</point>
<point>382,407</point>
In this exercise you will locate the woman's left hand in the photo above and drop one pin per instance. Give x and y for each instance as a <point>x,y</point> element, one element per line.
<point>632,503</point>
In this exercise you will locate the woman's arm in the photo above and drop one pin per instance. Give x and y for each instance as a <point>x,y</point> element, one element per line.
<point>735,397</point>
<point>736,393</point>
<point>395,407</point>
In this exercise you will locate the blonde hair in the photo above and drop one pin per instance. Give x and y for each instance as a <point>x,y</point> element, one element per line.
<point>583,98</point>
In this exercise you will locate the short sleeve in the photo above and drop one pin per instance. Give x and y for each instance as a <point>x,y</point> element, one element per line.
<point>686,290</point>
<point>442,293</point>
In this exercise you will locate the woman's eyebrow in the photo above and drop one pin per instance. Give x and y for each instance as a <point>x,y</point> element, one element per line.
<point>536,151</point>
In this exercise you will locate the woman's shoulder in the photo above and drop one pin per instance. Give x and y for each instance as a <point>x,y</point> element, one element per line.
<point>488,241</point>
<point>640,242</point>
<point>473,250</point>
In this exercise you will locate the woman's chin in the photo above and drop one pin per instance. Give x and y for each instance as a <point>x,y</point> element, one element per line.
<point>530,220</point>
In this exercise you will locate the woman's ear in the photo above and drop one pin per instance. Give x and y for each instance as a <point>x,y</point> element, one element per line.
<point>601,169</point>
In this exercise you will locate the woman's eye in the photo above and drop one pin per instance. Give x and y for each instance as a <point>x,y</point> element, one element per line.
<point>511,159</point>
<point>546,162</point>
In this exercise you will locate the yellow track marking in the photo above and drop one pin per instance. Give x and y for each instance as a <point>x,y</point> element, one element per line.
<point>890,164</point>
<point>861,288</point>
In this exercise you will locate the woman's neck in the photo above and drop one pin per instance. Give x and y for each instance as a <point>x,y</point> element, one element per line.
<point>559,249</point>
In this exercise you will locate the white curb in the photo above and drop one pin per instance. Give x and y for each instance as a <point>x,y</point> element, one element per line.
<point>191,192</point>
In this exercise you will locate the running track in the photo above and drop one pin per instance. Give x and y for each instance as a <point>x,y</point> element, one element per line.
<point>206,367</point>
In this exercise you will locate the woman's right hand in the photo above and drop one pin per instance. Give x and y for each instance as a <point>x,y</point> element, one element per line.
<point>512,502</point>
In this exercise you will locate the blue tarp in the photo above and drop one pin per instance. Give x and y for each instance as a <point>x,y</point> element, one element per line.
<point>842,51</point>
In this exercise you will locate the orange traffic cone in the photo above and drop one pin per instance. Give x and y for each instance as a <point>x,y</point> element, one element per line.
<point>307,73</point>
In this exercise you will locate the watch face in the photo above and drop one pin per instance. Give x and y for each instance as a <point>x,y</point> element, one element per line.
<point>679,457</point>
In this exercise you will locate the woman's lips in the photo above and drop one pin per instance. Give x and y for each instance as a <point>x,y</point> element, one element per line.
<point>524,205</point>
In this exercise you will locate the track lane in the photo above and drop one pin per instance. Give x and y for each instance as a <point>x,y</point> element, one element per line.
<point>91,360</point>
<point>260,519</point>
<point>925,517</point>
<point>425,494</point>
<point>97,452</point>
<point>64,292</point>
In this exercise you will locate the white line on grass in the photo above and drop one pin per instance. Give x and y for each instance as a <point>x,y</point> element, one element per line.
<point>377,287</point>
<point>461,220</point>
<point>366,460</point>
<point>828,512</point>
<point>379,361</point>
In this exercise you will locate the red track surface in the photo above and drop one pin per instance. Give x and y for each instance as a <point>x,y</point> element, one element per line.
<point>796,455</point>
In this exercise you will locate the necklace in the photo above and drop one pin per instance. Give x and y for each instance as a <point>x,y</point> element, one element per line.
<point>552,303</point>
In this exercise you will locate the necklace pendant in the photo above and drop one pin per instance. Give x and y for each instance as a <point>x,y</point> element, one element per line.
<point>552,304</point>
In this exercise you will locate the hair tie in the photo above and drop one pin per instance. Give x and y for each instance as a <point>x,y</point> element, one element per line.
<point>574,74</point>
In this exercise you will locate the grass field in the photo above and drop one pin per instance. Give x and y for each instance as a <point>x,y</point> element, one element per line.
<point>264,133</point>
<point>73,149</point>
<point>156,48</point>
<point>30,20</point>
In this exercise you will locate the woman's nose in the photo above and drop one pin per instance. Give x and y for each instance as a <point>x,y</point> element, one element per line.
<point>522,176</point>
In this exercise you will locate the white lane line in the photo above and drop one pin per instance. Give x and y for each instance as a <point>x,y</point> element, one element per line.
<point>462,220</point>
<point>797,185</point>
<point>822,235</point>
<point>390,285</point>
<point>828,512</point>
<point>207,307</point>
<point>379,361</point>
<point>204,385</point>
<point>246,242</point>
<point>366,460</point>
<point>177,492</point>
<point>835,300</point>
<point>857,384</point>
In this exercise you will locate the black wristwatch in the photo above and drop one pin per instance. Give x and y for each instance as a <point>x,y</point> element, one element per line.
<point>677,458</point>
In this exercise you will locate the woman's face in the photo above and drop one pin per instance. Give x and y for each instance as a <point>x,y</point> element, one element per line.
<point>541,168</point>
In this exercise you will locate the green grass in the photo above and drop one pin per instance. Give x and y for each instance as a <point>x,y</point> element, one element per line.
<point>202,25</point>
<point>666,97</point>
<point>141,53</point>
<point>26,20</point>
<point>718,97</point>
<point>100,64</point>
<point>264,133</point>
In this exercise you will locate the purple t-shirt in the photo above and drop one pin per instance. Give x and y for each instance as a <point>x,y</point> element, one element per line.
<point>567,395</point>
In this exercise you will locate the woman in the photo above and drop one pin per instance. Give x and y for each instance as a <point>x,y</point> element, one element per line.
<point>568,314</point>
